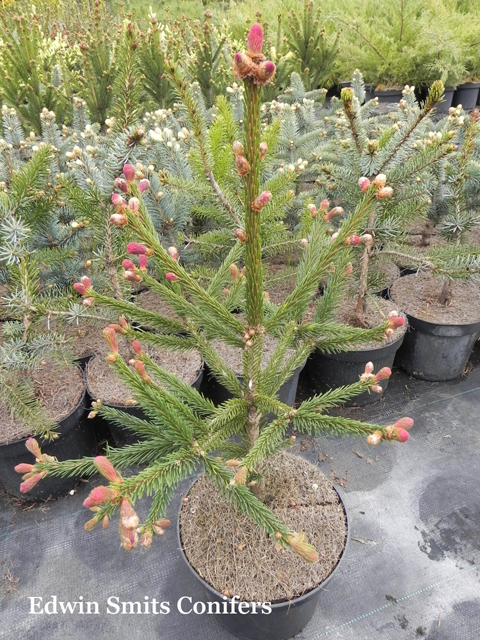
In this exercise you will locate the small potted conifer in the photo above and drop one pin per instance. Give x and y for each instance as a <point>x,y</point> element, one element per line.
<point>237,447</point>
<point>42,393</point>
<point>441,298</point>
<point>395,170</point>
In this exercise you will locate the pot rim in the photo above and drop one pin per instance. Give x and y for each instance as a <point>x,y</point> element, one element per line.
<point>468,85</point>
<point>446,330</point>
<point>298,370</point>
<point>444,324</point>
<point>274,605</point>
<point>433,322</point>
<point>365,354</point>
<point>390,90</point>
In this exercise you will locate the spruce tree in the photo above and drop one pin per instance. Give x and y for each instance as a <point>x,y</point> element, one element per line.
<point>184,429</point>
<point>27,259</point>
<point>314,52</point>
<point>453,209</point>
<point>395,155</point>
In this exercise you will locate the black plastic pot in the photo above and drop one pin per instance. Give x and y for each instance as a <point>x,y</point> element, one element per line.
<point>385,292</point>
<point>82,361</point>
<point>444,106</point>
<point>329,371</point>
<point>123,436</point>
<point>76,440</point>
<point>407,271</point>
<point>286,618</point>
<point>435,352</point>
<point>217,393</point>
<point>388,95</point>
<point>467,95</point>
<point>369,92</point>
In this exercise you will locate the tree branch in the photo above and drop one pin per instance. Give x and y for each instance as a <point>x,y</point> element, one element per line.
<point>223,199</point>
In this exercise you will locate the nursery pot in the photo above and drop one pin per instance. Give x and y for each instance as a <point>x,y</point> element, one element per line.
<point>217,393</point>
<point>123,436</point>
<point>388,95</point>
<point>76,440</point>
<point>434,351</point>
<point>369,89</point>
<point>286,619</point>
<point>82,361</point>
<point>466,95</point>
<point>405,271</point>
<point>444,106</point>
<point>329,371</point>
<point>384,292</point>
<point>369,92</point>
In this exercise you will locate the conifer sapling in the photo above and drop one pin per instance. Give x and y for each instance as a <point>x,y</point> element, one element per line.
<point>188,429</point>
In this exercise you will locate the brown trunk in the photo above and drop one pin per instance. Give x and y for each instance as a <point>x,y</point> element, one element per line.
<point>253,426</point>
<point>446,295</point>
<point>362,285</point>
<point>253,430</point>
<point>427,233</point>
<point>360,311</point>
<point>26,325</point>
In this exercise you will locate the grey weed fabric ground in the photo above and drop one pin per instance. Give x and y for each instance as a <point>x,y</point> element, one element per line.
<point>412,569</point>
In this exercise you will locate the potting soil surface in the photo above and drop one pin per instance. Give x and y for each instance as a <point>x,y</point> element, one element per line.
<point>376,311</point>
<point>418,294</point>
<point>411,570</point>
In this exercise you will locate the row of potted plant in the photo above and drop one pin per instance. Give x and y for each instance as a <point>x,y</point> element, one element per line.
<point>409,159</point>
<point>239,443</point>
<point>118,64</point>
<point>377,187</point>
<point>405,149</point>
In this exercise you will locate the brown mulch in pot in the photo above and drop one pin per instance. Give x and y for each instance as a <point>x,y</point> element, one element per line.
<point>418,295</point>
<point>59,390</point>
<point>376,311</point>
<point>473,236</point>
<point>233,555</point>
<point>384,274</point>
<point>103,383</point>
<point>150,301</point>
<point>87,337</point>
<point>232,356</point>
<point>279,281</point>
